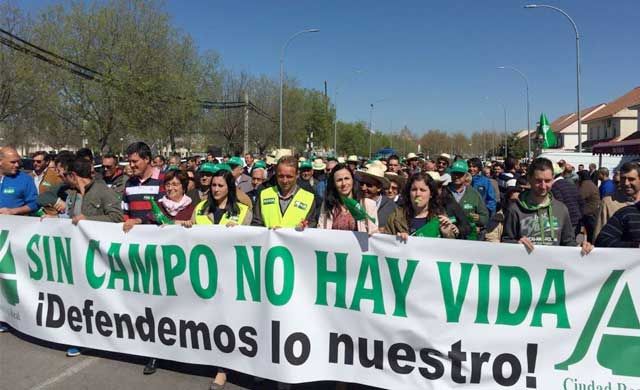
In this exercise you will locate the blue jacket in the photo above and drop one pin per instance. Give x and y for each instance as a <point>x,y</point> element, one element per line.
<point>17,191</point>
<point>482,184</point>
<point>607,188</point>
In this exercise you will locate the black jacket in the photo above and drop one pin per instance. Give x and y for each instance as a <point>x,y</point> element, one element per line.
<point>567,192</point>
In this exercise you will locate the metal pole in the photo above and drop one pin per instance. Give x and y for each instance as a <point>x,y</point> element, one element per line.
<point>281,84</point>
<point>506,135</point>
<point>335,123</point>
<point>370,129</point>
<point>284,48</point>
<point>246,124</point>
<point>575,28</point>
<point>578,90</point>
<point>526,83</point>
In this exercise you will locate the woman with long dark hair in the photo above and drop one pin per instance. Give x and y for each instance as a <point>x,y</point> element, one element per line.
<point>334,214</point>
<point>222,206</point>
<point>421,208</point>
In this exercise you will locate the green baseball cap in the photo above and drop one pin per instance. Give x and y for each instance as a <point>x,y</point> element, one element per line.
<point>221,167</point>
<point>208,167</point>
<point>459,166</point>
<point>306,165</point>
<point>259,164</point>
<point>173,168</point>
<point>235,161</point>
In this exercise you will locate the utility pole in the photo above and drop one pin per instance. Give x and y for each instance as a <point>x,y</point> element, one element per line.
<point>246,123</point>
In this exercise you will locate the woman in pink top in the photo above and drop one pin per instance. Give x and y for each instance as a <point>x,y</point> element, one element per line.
<point>334,214</point>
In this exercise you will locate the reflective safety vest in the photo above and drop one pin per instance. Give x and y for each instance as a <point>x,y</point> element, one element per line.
<point>296,212</point>
<point>203,219</point>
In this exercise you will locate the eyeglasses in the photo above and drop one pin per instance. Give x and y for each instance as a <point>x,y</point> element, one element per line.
<point>38,161</point>
<point>363,184</point>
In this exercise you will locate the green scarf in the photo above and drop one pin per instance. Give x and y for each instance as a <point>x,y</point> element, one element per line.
<point>539,209</point>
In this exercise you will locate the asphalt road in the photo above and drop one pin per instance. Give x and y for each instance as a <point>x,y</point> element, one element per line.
<point>29,363</point>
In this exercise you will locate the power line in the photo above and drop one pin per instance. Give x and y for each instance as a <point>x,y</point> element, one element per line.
<point>21,45</point>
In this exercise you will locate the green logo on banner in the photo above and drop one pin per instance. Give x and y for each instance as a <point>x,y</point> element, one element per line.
<point>8,282</point>
<point>620,353</point>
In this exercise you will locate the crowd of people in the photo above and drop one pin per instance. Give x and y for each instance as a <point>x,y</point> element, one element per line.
<point>537,203</point>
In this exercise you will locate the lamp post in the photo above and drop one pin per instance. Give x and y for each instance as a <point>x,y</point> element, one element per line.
<point>526,83</point>
<point>575,29</point>
<point>371,126</point>
<point>335,123</point>
<point>284,48</point>
<point>506,135</point>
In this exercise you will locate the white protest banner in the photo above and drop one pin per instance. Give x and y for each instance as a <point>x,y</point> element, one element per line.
<point>326,305</point>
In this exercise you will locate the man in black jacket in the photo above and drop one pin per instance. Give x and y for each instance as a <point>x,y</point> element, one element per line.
<point>566,192</point>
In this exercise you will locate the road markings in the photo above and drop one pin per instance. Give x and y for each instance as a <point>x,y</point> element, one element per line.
<point>66,373</point>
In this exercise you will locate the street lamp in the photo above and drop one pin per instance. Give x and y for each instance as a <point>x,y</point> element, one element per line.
<point>506,135</point>
<point>575,28</point>
<point>335,123</point>
<point>371,125</point>
<point>526,82</point>
<point>284,48</point>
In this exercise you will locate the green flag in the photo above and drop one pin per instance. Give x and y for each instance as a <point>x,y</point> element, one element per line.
<point>546,133</point>
<point>355,208</point>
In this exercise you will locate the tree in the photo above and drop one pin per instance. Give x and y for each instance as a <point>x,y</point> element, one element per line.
<point>146,77</point>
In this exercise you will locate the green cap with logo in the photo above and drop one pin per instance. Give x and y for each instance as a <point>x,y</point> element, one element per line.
<point>208,168</point>
<point>235,161</point>
<point>259,164</point>
<point>306,165</point>
<point>221,167</point>
<point>459,166</point>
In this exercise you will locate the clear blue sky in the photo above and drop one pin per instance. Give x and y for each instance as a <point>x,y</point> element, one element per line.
<point>433,62</point>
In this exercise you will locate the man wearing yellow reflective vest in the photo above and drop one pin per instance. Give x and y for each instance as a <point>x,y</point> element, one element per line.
<point>285,205</point>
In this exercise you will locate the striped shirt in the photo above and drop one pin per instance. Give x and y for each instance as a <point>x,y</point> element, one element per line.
<point>137,194</point>
<point>622,230</point>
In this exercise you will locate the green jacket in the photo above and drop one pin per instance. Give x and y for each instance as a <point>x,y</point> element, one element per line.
<point>99,203</point>
<point>472,202</point>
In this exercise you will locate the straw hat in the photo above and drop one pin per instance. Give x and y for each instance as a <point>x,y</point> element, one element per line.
<point>374,171</point>
<point>435,176</point>
<point>446,157</point>
<point>279,153</point>
<point>394,177</point>
<point>411,156</point>
<point>318,165</point>
<point>377,164</point>
<point>341,160</point>
<point>352,159</point>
